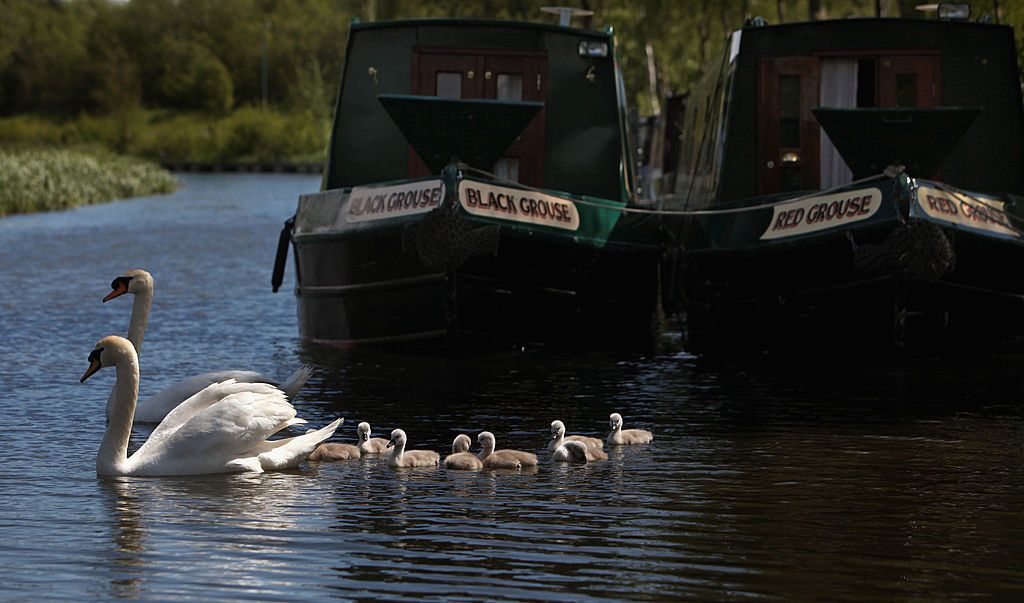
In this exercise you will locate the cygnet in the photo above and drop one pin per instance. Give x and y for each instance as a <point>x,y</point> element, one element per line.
<point>331,451</point>
<point>461,458</point>
<point>502,459</point>
<point>572,451</point>
<point>558,436</point>
<point>620,436</point>
<point>367,444</point>
<point>399,457</point>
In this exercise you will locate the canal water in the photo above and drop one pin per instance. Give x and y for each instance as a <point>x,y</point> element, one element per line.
<point>837,480</point>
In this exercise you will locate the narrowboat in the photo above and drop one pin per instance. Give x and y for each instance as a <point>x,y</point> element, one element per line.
<point>477,190</point>
<point>852,186</point>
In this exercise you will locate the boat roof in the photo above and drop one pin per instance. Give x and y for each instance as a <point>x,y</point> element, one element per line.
<point>357,24</point>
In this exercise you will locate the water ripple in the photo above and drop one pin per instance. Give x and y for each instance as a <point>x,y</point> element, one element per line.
<point>766,482</point>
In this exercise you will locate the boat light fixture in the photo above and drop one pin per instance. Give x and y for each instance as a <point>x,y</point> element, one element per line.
<point>593,48</point>
<point>791,157</point>
<point>954,11</point>
<point>948,11</point>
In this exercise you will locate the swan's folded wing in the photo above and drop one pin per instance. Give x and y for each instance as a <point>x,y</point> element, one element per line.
<point>154,408</point>
<point>228,413</point>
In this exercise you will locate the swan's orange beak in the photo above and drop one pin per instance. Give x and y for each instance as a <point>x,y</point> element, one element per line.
<point>94,365</point>
<point>118,288</point>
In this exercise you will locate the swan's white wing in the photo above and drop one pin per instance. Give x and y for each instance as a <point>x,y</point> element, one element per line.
<point>221,434</point>
<point>198,403</point>
<point>154,408</point>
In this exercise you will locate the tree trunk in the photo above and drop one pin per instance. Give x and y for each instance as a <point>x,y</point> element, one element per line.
<point>813,9</point>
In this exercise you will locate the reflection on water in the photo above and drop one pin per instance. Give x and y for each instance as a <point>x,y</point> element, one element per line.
<point>834,480</point>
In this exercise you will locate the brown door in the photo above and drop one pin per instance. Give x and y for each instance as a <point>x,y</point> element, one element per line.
<point>479,74</point>
<point>787,130</point>
<point>908,81</point>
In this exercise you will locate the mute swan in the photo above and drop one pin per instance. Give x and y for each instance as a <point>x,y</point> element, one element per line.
<point>502,459</point>
<point>558,436</point>
<point>572,451</point>
<point>368,445</point>
<point>413,458</point>
<point>461,457</point>
<point>154,408</point>
<point>620,436</point>
<point>334,451</point>
<point>222,429</point>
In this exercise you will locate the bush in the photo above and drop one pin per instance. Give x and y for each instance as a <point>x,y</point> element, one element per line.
<point>252,134</point>
<point>36,180</point>
<point>29,130</point>
<point>248,134</point>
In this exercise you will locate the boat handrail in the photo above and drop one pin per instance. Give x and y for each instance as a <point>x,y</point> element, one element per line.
<point>891,172</point>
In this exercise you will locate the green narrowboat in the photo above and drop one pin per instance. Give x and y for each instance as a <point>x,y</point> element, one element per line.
<point>475,191</point>
<point>852,186</point>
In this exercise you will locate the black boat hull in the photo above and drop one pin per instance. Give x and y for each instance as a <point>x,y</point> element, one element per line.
<point>812,298</point>
<point>368,289</point>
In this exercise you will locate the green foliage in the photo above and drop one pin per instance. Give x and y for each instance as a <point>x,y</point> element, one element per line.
<point>66,58</point>
<point>192,77</point>
<point>259,135</point>
<point>50,180</point>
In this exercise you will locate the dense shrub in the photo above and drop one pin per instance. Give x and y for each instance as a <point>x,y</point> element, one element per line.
<point>246,135</point>
<point>35,180</point>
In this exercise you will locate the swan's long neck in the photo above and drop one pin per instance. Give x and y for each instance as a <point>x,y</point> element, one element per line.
<point>140,317</point>
<point>112,458</point>
<point>559,437</point>
<point>486,449</point>
<point>397,451</point>
<point>136,331</point>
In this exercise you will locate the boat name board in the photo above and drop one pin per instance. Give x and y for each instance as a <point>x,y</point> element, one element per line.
<point>819,213</point>
<point>517,205</point>
<point>965,210</point>
<point>378,202</point>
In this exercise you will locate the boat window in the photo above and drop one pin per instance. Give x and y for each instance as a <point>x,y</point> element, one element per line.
<point>449,84</point>
<point>510,86</point>
<point>906,89</point>
<point>908,80</point>
<point>507,168</point>
<point>789,111</point>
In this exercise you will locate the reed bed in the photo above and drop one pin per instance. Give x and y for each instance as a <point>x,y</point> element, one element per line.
<point>47,180</point>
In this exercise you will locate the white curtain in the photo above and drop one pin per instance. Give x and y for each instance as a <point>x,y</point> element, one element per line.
<point>838,89</point>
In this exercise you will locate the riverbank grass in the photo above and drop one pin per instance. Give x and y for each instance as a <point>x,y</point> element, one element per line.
<point>46,180</point>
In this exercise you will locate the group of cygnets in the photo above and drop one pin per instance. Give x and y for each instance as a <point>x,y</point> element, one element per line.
<point>563,448</point>
<point>221,422</point>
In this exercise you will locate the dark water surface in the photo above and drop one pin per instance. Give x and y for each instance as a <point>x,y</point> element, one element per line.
<point>835,481</point>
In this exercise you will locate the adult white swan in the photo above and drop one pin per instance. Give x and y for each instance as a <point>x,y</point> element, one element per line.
<point>154,408</point>
<point>222,429</point>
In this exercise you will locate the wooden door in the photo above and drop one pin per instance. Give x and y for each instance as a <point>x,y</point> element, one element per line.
<point>788,133</point>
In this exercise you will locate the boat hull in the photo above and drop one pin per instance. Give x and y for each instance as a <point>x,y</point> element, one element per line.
<point>468,259</point>
<point>528,292</point>
<point>905,280</point>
